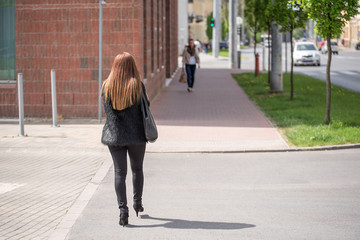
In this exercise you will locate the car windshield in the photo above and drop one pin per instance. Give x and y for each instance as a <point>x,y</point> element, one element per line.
<point>305,47</point>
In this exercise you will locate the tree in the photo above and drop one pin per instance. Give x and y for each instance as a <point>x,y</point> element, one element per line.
<point>298,33</point>
<point>225,19</point>
<point>224,28</point>
<point>209,29</point>
<point>330,17</point>
<point>254,14</point>
<point>289,15</point>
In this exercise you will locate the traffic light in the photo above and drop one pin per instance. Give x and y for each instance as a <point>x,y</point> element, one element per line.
<point>212,22</point>
<point>239,30</point>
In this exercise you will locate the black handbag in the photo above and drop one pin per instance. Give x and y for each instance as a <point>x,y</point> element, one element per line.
<point>151,133</point>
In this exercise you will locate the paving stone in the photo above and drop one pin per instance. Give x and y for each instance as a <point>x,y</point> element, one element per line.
<point>52,167</point>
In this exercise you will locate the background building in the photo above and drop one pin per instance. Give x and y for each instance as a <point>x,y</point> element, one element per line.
<point>182,25</point>
<point>198,12</point>
<point>351,32</point>
<point>39,35</point>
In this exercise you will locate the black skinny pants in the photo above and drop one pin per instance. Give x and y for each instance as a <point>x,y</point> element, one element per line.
<point>119,156</point>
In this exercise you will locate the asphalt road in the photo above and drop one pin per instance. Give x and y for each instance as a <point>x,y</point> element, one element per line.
<point>345,70</point>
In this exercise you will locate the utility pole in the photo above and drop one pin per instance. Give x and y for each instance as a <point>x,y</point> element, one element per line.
<point>276,76</point>
<point>217,28</point>
<point>233,33</point>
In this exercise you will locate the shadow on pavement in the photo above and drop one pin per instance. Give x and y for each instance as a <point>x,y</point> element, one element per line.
<point>185,224</point>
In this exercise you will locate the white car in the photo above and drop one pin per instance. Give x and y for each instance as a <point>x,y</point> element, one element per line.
<point>334,48</point>
<point>306,53</point>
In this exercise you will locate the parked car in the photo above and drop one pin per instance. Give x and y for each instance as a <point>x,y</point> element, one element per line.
<point>334,48</point>
<point>224,45</point>
<point>306,53</point>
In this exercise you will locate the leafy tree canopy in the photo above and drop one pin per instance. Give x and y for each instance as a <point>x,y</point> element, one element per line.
<point>288,14</point>
<point>330,15</point>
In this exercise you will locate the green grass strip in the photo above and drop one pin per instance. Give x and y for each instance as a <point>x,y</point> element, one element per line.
<point>222,52</point>
<point>301,120</point>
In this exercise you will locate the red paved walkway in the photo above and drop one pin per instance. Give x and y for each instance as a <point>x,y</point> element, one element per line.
<point>217,116</point>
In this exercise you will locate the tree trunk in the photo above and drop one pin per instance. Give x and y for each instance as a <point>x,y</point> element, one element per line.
<point>269,59</point>
<point>276,78</point>
<point>255,49</point>
<point>328,81</point>
<point>292,66</point>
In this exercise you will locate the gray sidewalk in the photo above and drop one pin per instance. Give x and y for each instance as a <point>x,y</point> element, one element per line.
<point>42,175</point>
<point>301,195</point>
<point>217,116</point>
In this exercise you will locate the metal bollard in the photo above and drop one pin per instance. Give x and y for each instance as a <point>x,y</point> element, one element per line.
<point>239,59</point>
<point>21,103</point>
<point>53,98</point>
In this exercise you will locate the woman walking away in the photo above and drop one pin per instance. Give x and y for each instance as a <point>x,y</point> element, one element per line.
<point>123,131</point>
<point>190,59</point>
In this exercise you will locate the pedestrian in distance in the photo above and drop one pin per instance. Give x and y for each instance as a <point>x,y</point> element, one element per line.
<point>206,46</point>
<point>198,45</point>
<point>190,59</point>
<point>123,131</point>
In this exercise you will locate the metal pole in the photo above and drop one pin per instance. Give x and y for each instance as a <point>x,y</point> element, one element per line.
<point>233,33</point>
<point>21,103</point>
<point>217,29</point>
<point>100,55</point>
<point>239,59</point>
<point>53,98</point>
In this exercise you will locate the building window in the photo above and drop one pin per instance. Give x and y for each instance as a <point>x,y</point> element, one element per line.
<point>7,39</point>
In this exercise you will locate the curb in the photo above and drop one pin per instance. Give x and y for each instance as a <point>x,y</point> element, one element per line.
<point>63,229</point>
<point>305,149</point>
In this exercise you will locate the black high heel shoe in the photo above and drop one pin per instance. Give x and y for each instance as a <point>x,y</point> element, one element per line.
<point>138,208</point>
<point>124,219</point>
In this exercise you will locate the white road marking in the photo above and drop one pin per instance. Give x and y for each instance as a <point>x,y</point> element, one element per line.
<point>350,73</point>
<point>7,187</point>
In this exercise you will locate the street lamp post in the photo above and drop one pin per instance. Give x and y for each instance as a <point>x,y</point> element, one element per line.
<point>101,2</point>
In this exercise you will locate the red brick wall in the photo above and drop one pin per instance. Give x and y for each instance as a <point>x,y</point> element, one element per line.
<point>158,64</point>
<point>171,37</point>
<point>63,35</point>
<point>8,100</point>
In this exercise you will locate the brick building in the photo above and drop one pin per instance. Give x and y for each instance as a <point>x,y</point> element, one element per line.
<point>40,35</point>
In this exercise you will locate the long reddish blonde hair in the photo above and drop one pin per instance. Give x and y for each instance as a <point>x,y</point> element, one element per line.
<point>123,85</point>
